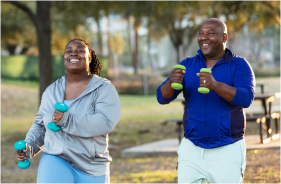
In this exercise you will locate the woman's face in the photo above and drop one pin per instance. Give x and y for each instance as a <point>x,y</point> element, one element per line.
<point>76,57</point>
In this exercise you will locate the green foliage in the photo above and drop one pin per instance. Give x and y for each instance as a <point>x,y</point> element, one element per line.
<point>16,27</point>
<point>26,67</point>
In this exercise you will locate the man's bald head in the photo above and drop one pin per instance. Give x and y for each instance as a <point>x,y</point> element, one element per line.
<point>221,24</point>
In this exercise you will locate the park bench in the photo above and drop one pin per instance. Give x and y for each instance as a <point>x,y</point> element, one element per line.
<point>261,119</point>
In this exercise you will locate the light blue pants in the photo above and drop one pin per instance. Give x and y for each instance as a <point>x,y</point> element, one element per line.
<point>54,169</point>
<point>224,164</point>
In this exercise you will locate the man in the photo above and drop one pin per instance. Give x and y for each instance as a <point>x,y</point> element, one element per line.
<point>213,147</point>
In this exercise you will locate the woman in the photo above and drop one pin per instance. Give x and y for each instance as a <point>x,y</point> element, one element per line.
<point>78,153</point>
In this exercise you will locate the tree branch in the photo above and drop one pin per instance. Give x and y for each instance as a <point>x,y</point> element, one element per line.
<point>24,8</point>
<point>277,10</point>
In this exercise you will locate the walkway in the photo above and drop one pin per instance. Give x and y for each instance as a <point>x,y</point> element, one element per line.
<point>169,147</point>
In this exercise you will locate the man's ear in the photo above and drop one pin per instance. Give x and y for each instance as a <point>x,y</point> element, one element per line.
<point>224,37</point>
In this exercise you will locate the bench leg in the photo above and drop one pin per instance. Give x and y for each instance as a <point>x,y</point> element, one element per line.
<point>268,127</point>
<point>179,131</point>
<point>261,132</point>
<point>276,125</point>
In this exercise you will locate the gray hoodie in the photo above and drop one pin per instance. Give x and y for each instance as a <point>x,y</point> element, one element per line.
<point>83,140</point>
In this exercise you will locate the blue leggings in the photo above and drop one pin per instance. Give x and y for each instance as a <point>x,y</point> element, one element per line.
<point>54,169</point>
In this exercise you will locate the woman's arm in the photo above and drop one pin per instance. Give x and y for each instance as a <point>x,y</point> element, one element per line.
<point>36,134</point>
<point>107,109</point>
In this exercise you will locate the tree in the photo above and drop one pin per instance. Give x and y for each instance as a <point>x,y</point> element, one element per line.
<point>42,23</point>
<point>16,30</point>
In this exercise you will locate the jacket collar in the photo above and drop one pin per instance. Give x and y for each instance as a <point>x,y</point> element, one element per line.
<point>94,83</point>
<point>227,57</point>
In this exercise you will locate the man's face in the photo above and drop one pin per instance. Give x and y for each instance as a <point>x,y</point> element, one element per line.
<point>211,39</point>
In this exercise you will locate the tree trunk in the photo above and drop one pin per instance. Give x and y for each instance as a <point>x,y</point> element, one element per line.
<point>178,53</point>
<point>110,75</point>
<point>149,58</point>
<point>44,45</point>
<point>42,23</point>
<point>129,35</point>
<point>100,39</point>
<point>136,52</point>
<point>11,48</point>
<point>24,50</point>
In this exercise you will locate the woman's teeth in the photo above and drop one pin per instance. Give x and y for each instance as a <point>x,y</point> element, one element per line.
<point>74,61</point>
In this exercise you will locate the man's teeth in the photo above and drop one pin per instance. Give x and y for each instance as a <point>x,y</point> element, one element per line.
<point>205,44</point>
<point>74,61</point>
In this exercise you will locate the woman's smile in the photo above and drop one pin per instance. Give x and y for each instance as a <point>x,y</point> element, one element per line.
<point>74,61</point>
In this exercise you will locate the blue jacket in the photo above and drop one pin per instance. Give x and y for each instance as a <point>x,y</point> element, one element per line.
<point>209,120</point>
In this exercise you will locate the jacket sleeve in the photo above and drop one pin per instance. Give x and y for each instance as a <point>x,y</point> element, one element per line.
<point>161,99</point>
<point>36,134</point>
<point>107,113</point>
<point>244,82</point>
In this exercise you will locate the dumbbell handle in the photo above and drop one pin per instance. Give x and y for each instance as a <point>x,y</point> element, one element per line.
<point>62,108</point>
<point>178,86</point>
<point>20,146</point>
<point>204,90</point>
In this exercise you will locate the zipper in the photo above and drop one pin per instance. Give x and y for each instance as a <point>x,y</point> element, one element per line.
<point>207,121</point>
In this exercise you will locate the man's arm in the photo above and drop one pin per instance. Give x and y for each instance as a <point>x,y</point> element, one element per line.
<point>243,90</point>
<point>223,90</point>
<point>165,93</point>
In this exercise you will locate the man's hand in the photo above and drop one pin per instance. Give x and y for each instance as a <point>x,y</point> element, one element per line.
<point>207,80</point>
<point>176,76</point>
<point>223,90</point>
<point>57,116</point>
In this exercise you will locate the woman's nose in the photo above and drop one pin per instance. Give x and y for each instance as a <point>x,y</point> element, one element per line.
<point>73,53</point>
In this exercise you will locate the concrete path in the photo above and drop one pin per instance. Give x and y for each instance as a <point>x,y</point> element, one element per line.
<point>169,147</point>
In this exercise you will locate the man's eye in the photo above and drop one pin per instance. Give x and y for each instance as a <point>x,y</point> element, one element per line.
<point>200,33</point>
<point>79,50</point>
<point>68,51</point>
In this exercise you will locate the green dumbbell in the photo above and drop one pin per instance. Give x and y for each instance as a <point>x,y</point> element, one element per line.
<point>19,146</point>
<point>178,86</point>
<point>62,108</point>
<point>204,89</point>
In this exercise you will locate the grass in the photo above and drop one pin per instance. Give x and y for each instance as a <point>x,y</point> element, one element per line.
<point>20,104</point>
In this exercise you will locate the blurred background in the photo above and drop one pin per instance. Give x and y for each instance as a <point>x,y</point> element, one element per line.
<point>138,43</point>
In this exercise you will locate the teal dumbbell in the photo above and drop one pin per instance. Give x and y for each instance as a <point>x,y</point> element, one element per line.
<point>204,90</point>
<point>19,146</point>
<point>178,86</point>
<point>62,108</point>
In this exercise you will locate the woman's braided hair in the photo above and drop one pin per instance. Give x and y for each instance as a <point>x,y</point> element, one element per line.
<point>95,64</point>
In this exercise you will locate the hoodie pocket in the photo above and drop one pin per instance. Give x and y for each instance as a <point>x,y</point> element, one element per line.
<point>93,150</point>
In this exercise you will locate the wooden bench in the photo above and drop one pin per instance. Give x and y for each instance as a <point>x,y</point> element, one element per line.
<point>179,123</point>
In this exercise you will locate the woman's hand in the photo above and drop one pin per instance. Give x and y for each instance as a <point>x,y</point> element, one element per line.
<point>21,155</point>
<point>57,116</point>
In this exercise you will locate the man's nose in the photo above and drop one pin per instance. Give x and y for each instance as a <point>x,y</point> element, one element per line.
<point>204,36</point>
